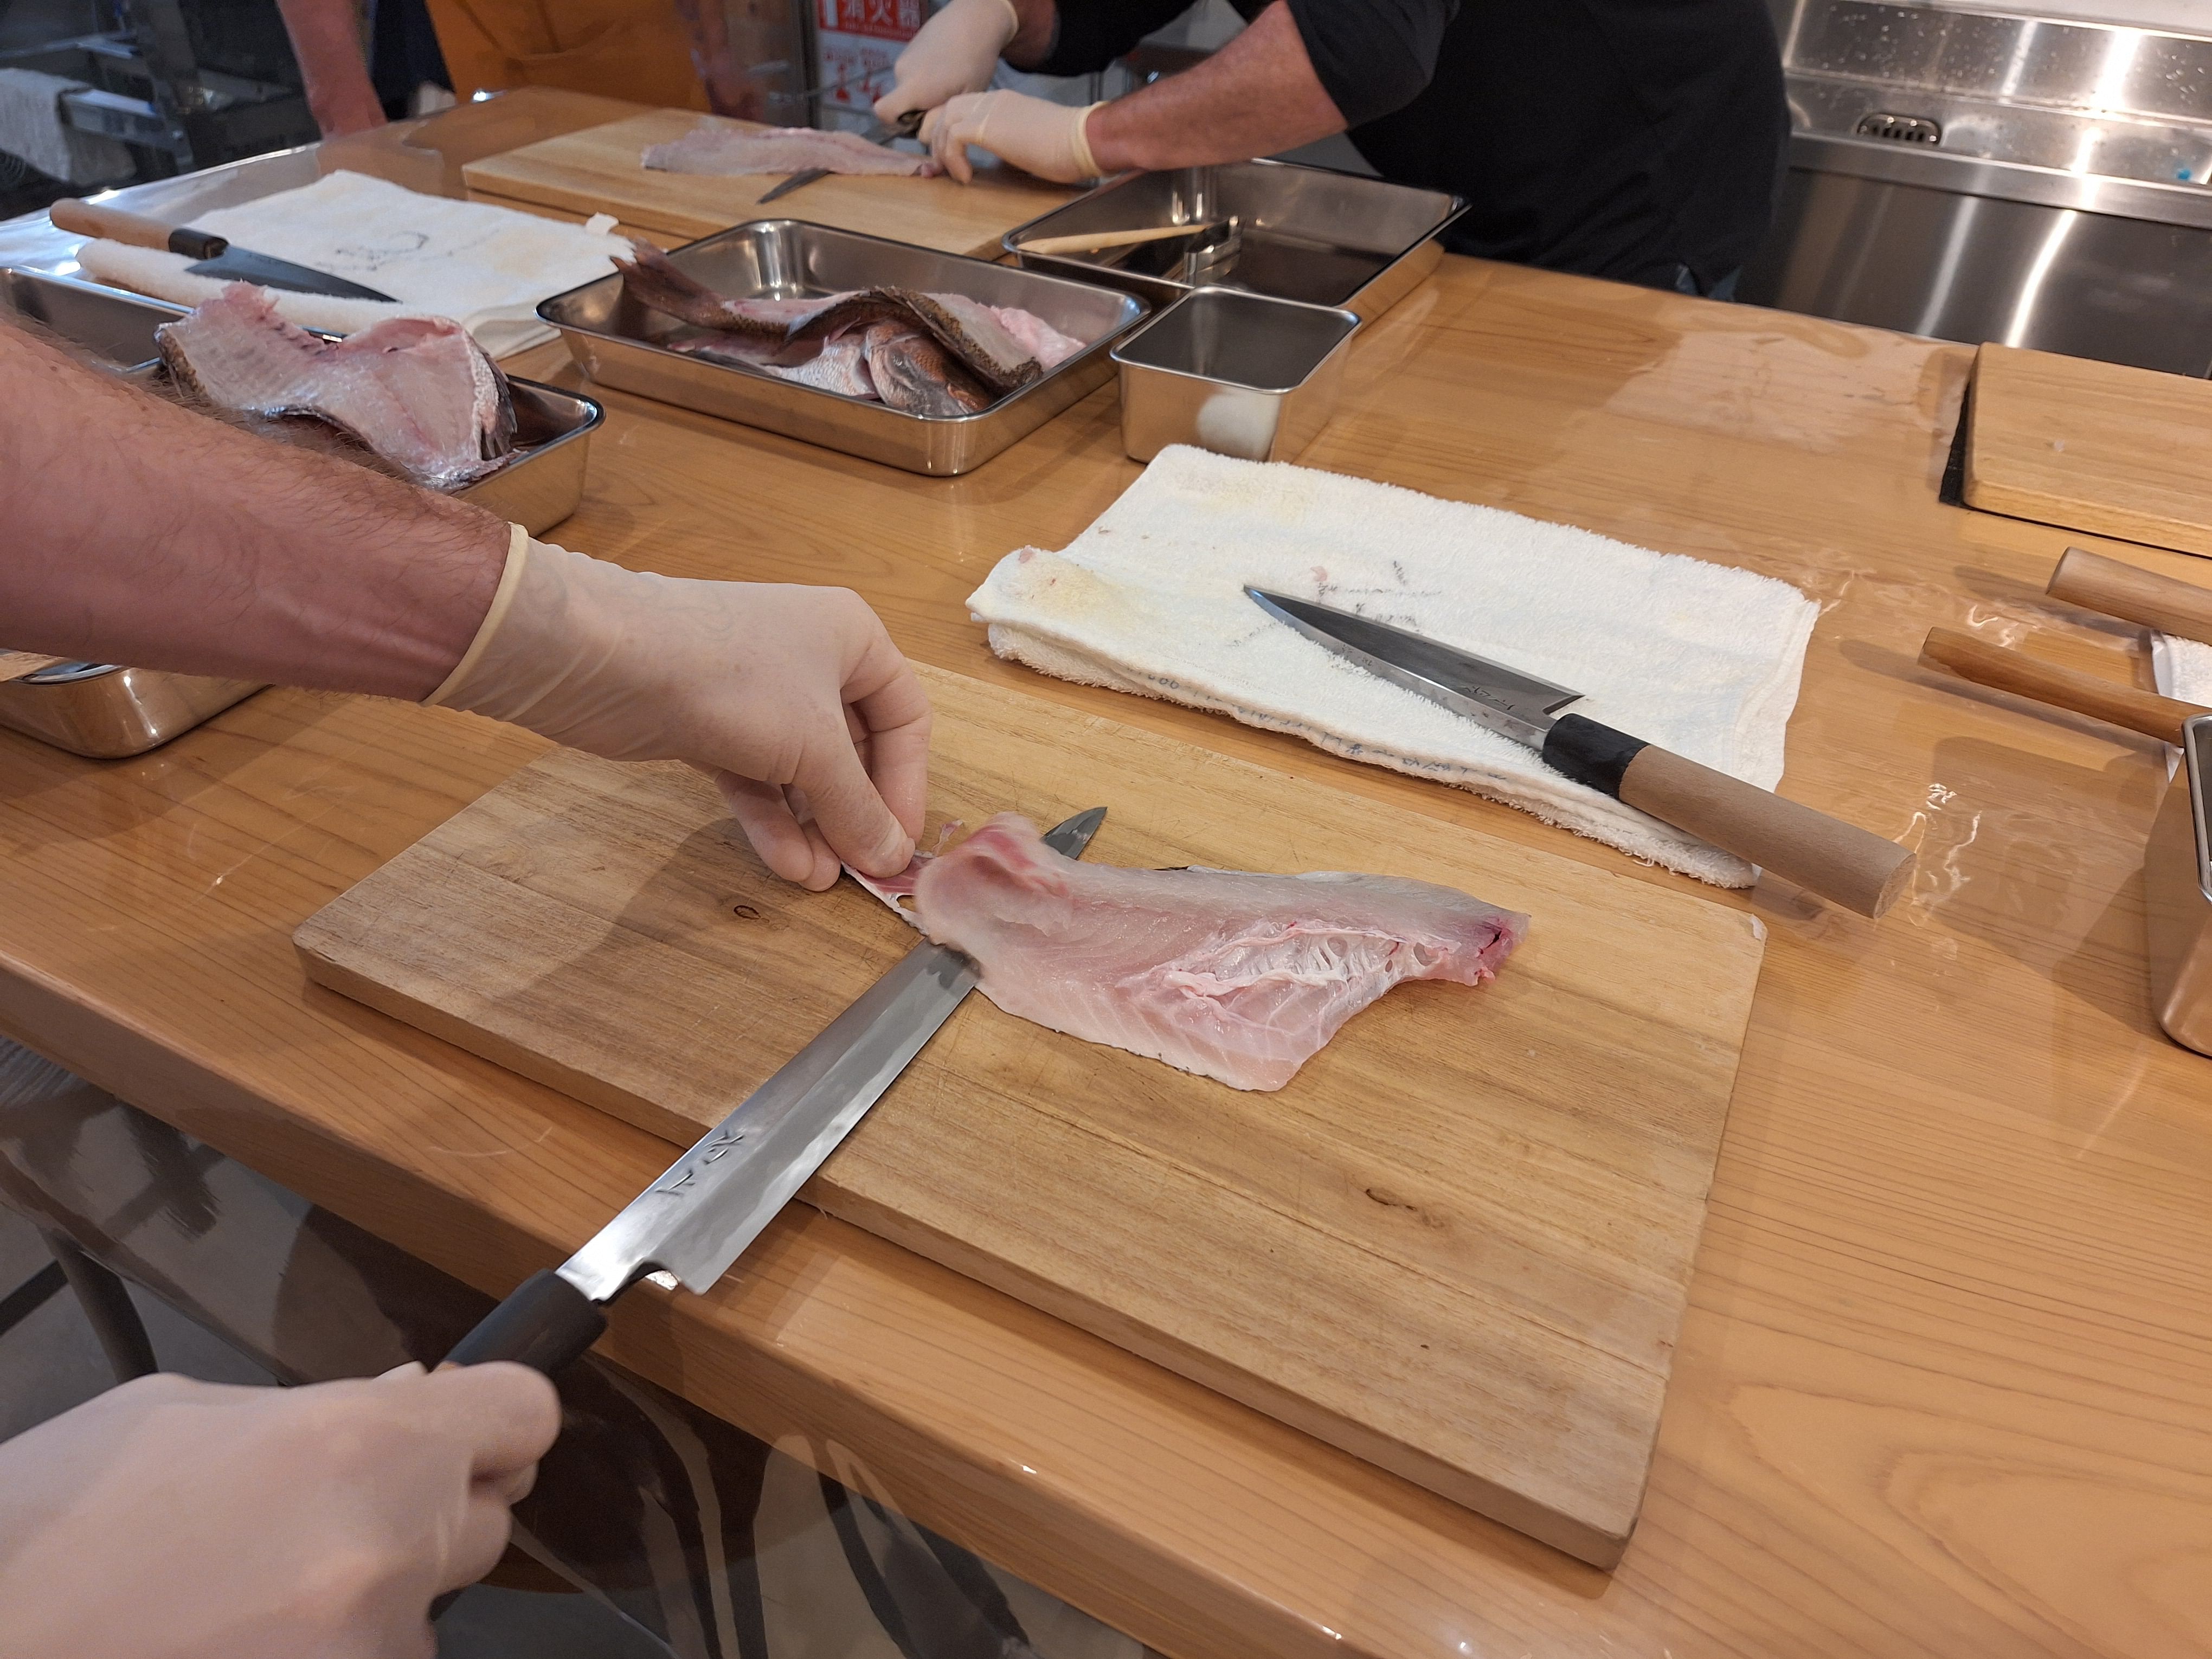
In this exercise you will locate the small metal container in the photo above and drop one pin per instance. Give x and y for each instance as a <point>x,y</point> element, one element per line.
<point>1238,373</point>
<point>2178,896</point>
<point>107,711</point>
<point>619,343</point>
<point>1329,239</point>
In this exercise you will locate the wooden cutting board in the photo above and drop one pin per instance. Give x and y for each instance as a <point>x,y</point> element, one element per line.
<point>598,170</point>
<point>1457,1244</point>
<point>2101,447</point>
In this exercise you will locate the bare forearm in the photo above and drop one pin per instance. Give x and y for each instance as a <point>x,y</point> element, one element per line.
<point>140,533</point>
<point>326,43</point>
<point>1257,96</point>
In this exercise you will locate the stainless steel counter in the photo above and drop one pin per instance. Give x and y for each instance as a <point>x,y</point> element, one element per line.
<point>1997,176</point>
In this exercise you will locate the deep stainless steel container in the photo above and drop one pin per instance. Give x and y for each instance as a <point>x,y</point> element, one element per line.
<point>1997,176</point>
<point>1328,239</point>
<point>107,711</point>
<point>619,343</point>
<point>1239,374</point>
<point>2178,896</point>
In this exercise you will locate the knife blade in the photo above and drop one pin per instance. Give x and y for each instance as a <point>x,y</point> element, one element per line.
<point>215,256</point>
<point>905,127</point>
<point>707,1207</point>
<point>1839,861</point>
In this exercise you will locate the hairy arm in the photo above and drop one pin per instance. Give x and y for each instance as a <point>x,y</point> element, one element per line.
<point>327,42</point>
<point>144,533</point>
<point>1257,96</point>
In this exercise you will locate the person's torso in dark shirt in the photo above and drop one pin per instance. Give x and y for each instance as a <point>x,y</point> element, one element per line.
<point>1622,138</point>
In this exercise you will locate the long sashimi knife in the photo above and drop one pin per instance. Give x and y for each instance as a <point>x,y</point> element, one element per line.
<point>905,127</point>
<point>1851,866</point>
<point>709,1205</point>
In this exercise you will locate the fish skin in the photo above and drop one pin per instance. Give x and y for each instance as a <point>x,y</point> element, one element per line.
<point>914,372</point>
<point>842,366</point>
<point>417,391</point>
<point>970,331</point>
<point>1235,976</point>
<point>713,148</point>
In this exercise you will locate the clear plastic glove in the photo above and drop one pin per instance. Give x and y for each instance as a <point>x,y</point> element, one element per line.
<point>793,698</point>
<point>955,52</point>
<point>1035,134</point>
<point>169,1519</point>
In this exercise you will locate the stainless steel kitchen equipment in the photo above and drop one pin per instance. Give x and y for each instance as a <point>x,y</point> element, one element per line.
<point>1997,176</point>
<point>107,711</point>
<point>695,1221</point>
<point>620,343</point>
<point>2178,896</point>
<point>1238,373</point>
<point>1328,239</point>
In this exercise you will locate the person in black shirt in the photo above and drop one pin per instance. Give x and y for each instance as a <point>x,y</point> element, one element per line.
<point>1640,140</point>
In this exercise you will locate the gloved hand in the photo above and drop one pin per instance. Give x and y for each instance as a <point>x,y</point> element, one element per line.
<point>955,52</point>
<point>1035,134</point>
<point>169,1519</point>
<point>793,698</point>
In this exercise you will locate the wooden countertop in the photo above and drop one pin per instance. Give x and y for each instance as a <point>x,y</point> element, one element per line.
<point>1945,1383</point>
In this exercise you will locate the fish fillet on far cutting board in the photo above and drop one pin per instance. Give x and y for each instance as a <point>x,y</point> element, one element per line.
<point>601,170</point>
<point>1457,1244</point>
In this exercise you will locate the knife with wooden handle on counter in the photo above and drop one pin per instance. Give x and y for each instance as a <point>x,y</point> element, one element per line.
<point>1841,862</point>
<point>2003,669</point>
<point>2133,594</point>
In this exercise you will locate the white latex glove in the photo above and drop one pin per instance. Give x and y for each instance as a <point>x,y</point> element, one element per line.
<point>955,52</point>
<point>793,698</point>
<point>169,1519</point>
<point>1035,134</point>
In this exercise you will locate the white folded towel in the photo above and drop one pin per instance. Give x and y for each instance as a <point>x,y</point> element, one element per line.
<point>487,267</point>
<point>1700,657</point>
<point>32,126</point>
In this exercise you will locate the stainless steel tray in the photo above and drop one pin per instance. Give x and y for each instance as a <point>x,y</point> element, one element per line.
<point>537,490</point>
<point>618,341</point>
<point>107,711</point>
<point>1329,239</point>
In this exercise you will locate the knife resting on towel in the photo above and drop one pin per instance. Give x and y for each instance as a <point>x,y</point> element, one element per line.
<point>1851,866</point>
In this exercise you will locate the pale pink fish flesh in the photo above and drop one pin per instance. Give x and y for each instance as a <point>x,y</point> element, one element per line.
<point>711,147</point>
<point>1035,336</point>
<point>1232,974</point>
<point>417,391</point>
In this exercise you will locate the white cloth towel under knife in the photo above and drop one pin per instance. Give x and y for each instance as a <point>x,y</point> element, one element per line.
<point>1700,657</point>
<point>487,267</point>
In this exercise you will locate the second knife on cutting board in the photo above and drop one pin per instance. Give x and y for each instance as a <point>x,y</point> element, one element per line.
<point>1851,866</point>
<point>216,257</point>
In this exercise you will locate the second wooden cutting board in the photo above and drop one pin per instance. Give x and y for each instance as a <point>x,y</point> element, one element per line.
<point>2102,448</point>
<point>598,171</point>
<point>1457,1244</point>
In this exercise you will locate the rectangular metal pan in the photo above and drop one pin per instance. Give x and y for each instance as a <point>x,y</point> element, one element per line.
<point>1327,238</point>
<point>107,711</point>
<point>618,341</point>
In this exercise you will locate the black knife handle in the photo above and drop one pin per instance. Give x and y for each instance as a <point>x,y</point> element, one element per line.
<point>1841,862</point>
<point>546,1325</point>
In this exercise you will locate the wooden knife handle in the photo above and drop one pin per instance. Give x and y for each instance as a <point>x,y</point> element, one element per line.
<point>1841,862</point>
<point>1104,239</point>
<point>2097,583</point>
<point>92,219</point>
<point>2004,670</point>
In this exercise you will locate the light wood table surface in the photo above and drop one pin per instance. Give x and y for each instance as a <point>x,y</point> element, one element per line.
<point>1945,1387</point>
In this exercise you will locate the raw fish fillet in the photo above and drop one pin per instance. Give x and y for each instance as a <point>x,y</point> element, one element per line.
<point>711,147</point>
<point>998,352</point>
<point>415,390</point>
<point>1225,973</point>
<point>1035,336</point>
